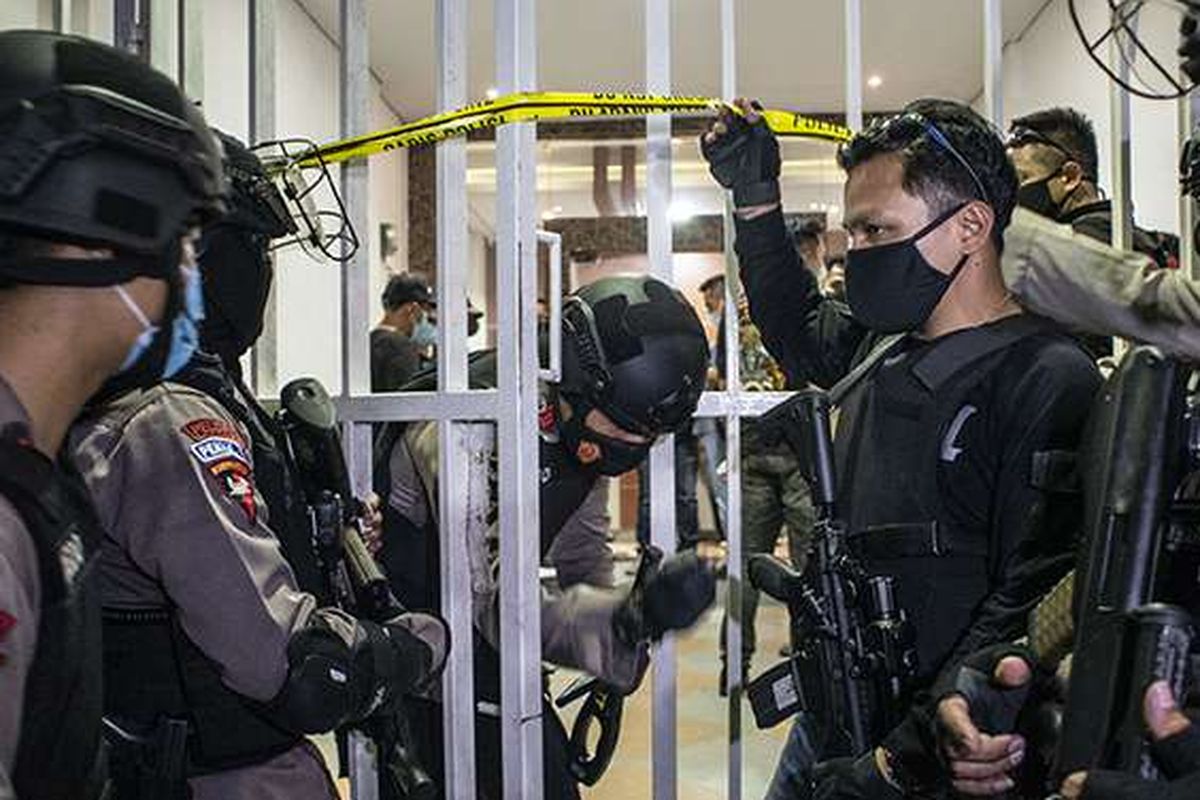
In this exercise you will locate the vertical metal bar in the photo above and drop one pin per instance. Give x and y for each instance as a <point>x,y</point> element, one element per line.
<point>191,47</point>
<point>464,452</point>
<point>993,61</point>
<point>733,447</point>
<point>363,766</point>
<point>1122,181</point>
<point>1119,122</point>
<point>854,64</point>
<point>462,485</point>
<point>355,93</point>
<point>452,200</point>
<point>1189,117</point>
<point>664,754</point>
<point>164,36</point>
<point>62,16</point>
<point>516,293</point>
<point>264,358</point>
<point>553,372</point>
<point>130,25</point>
<point>355,77</point>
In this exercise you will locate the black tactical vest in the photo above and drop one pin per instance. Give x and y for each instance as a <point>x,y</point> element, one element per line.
<point>60,755</point>
<point>889,445</point>
<point>153,669</point>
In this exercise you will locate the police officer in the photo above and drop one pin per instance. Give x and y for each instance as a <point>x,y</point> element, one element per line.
<point>104,166</point>
<point>634,362</point>
<point>953,390</point>
<point>204,622</point>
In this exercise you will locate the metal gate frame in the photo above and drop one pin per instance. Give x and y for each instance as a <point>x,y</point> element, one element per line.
<point>178,48</point>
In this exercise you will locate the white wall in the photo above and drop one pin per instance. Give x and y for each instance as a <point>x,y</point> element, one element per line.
<point>91,17</point>
<point>226,40</point>
<point>1049,67</point>
<point>308,294</point>
<point>24,14</point>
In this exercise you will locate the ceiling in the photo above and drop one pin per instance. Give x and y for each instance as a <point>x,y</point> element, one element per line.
<point>790,52</point>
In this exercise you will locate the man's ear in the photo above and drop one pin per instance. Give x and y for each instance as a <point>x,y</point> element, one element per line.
<point>975,226</point>
<point>1072,176</point>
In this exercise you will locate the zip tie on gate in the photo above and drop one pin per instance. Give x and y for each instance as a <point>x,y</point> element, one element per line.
<point>533,106</point>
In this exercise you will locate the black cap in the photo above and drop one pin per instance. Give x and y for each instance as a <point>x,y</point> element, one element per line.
<point>407,288</point>
<point>712,281</point>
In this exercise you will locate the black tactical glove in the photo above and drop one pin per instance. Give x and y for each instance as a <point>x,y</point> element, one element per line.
<point>994,708</point>
<point>852,779</point>
<point>342,670</point>
<point>745,159</point>
<point>912,752</point>
<point>1189,46</point>
<point>419,645</point>
<point>671,599</point>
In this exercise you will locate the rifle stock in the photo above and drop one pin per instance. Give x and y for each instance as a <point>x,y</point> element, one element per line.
<point>1104,610</point>
<point>355,580</point>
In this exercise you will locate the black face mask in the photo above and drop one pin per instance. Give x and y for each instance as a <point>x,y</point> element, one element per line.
<point>891,288</point>
<point>237,283</point>
<point>616,457</point>
<point>1035,196</point>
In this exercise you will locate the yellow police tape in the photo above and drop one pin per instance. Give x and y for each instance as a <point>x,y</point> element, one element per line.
<point>531,106</point>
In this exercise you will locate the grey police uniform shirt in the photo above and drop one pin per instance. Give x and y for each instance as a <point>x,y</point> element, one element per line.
<point>171,476</point>
<point>577,627</point>
<point>1088,285</point>
<point>20,601</point>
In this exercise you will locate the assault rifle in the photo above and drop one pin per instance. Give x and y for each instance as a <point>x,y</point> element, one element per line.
<point>853,655</point>
<point>351,576</point>
<point>1113,609</point>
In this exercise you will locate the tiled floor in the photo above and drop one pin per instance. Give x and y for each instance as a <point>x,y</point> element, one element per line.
<point>703,725</point>
<point>703,716</point>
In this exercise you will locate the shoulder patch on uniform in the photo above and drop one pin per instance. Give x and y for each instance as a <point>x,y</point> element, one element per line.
<point>219,448</point>
<point>236,480</point>
<point>209,427</point>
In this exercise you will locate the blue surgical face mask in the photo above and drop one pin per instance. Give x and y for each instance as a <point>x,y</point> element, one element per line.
<point>185,335</point>
<point>185,332</point>
<point>424,333</point>
<point>144,339</point>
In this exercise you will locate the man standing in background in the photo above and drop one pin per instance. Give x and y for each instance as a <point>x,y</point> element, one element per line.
<point>404,332</point>
<point>1055,155</point>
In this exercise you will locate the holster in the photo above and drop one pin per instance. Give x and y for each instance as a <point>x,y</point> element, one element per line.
<point>148,766</point>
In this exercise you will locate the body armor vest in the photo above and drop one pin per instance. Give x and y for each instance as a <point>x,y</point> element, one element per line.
<point>60,754</point>
<point>888,452</point>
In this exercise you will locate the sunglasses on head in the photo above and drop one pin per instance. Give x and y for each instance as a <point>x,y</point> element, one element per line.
<point>905,129</point>
<point>1021,136</point>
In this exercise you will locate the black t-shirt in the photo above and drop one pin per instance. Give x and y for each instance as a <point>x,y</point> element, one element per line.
<point>395,359</point>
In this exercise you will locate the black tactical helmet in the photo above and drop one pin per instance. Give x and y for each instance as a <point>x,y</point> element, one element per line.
<point>98,149</point>
<point>234,255</point>
<point>634,348</point>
